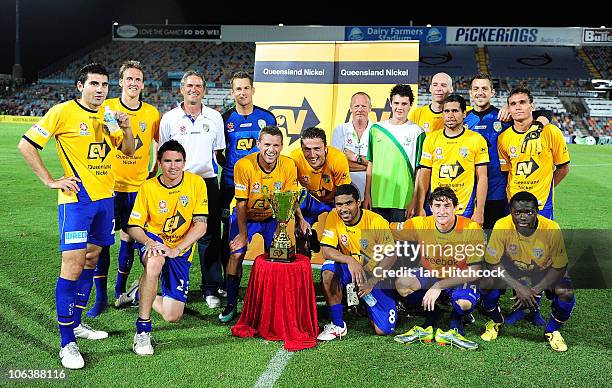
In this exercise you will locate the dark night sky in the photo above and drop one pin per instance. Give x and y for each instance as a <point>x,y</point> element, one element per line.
<point>53,29</point>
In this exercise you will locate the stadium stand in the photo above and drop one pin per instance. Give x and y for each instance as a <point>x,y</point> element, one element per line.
<point>548,62</point>
<point>601,58</point>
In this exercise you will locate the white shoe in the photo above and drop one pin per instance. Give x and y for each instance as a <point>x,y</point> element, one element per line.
<point>331,331</point>
<point>222,293</point>
<point>142,344</point>
<point>212,301</point>
<point>85,331</point>
<point>128,298</point>
<point>71,357</point>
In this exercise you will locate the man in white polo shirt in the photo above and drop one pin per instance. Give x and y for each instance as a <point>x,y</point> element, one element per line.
<point>352,138</point>
<point>199,129</point>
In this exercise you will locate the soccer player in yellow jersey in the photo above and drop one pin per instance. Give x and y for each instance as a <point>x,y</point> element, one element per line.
<point>528,246</point>
<point>352,236</point>
<point>130,172</point>
<point>456,157</point>
<point>534,156</point>
<point>253,174</point>
<point>169,216</point>
<point>451,249</point>
<point>429,117</point>
<point>320,169</point>
<point>85,195</point>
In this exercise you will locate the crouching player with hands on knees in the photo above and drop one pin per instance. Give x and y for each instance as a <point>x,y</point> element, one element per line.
<point>348,244</point>
<point>528,246</point>
<point>451,249</point>
<point>169,216</point>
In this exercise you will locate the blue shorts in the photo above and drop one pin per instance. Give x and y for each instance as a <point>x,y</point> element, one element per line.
<point>465,291</point>
<point>265,228</point>
<point>85,222</point>
<point>174,277</point>
<point>312,208</point>
<point>124,202</point>
<point>384,313</point>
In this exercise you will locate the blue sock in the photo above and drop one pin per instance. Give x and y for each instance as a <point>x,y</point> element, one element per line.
<point>335,314</point>
<point>560,312</point>
<point>490,303</point>
<point>143,325</point>
<point>233,283</point>
<point>536,316</point>
<point>65,296</point>
<point>84,285</point>
<point>126,259</point>
<point>100,280</point>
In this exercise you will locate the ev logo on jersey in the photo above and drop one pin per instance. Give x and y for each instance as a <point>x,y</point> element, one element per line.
<point>245,144</point>
<point>173,223</point>
<point>451,171</point>
<point>75,237</point>
<point>98,150</point>
<point>526,168</point>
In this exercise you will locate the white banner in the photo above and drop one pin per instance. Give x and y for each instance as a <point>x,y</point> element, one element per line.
<point>515,36</point>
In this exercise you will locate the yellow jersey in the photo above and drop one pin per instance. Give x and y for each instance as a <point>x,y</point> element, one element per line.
<point>545,248</point>
<point>459,247</point>
<point>453,162</point>
<point>357,240</point>
<point>250,181</point>
<point>167,211</point>
<point>131,171</point>
<point>322,183</point>
<point>530,158</point>
<point>84,146</point>
<point>426,118</point>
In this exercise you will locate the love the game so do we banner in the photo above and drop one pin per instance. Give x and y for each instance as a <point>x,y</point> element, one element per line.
<point>306,84</point>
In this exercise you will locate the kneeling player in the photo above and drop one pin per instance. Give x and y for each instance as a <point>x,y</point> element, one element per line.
<point>528,246</point>
<point>447,243</point>
<point>169,216</point>
<point>348,244</point>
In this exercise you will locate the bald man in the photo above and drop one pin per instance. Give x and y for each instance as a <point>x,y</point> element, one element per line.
<point>429,117</point>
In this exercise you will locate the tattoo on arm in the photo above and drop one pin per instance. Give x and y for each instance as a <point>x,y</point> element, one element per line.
<point>199,219</point>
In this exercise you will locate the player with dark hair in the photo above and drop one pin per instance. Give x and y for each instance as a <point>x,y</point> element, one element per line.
<point>528,247</point>
<point>253,174</point>
<point>449,242</point>
<point>169,216</point>
<point>394,150</point>
<point>85,195</point>
<point>456,157</point>
<point>348,243</point>
<point>320,169</point>
<point>130,172</point>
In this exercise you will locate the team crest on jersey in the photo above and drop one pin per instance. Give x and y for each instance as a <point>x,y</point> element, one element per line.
<point>261,123</point>
<point>497,126</point>
<point>84,129</point>
<point>463,151</point>
<point>325,178</point>
<point>363,243</point>
<point>184,200</point>
<point>513,153</point>
<point>256,188</point>
<point>538,253</point>
<point>439,153</point>
<point>344,239</point>
<point>278,185</point>
<point>513,249</point>
<point>183,129</point>
<point>230,127</point>
<point>163,206</point>
<point>205,127</point>
<point>143,126</point>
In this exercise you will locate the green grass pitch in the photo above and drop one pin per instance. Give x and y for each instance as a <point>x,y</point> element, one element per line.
<point>200,351</point>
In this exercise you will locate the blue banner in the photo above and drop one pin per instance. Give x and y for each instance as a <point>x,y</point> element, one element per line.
<point>426,35</point>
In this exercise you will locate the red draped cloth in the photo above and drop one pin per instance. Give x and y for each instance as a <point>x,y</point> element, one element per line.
<point>280,304</point>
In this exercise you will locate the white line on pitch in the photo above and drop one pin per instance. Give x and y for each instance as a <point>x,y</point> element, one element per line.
<point>274,370</point>
<point>591,165</point>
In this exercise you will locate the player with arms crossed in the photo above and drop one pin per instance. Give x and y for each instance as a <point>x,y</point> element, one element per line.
<point>85,195</point>
<point>348,244</point>
<point>527,245</point>
<point>130,172</point>
<point>169,216</point>
<point>448,242</point>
